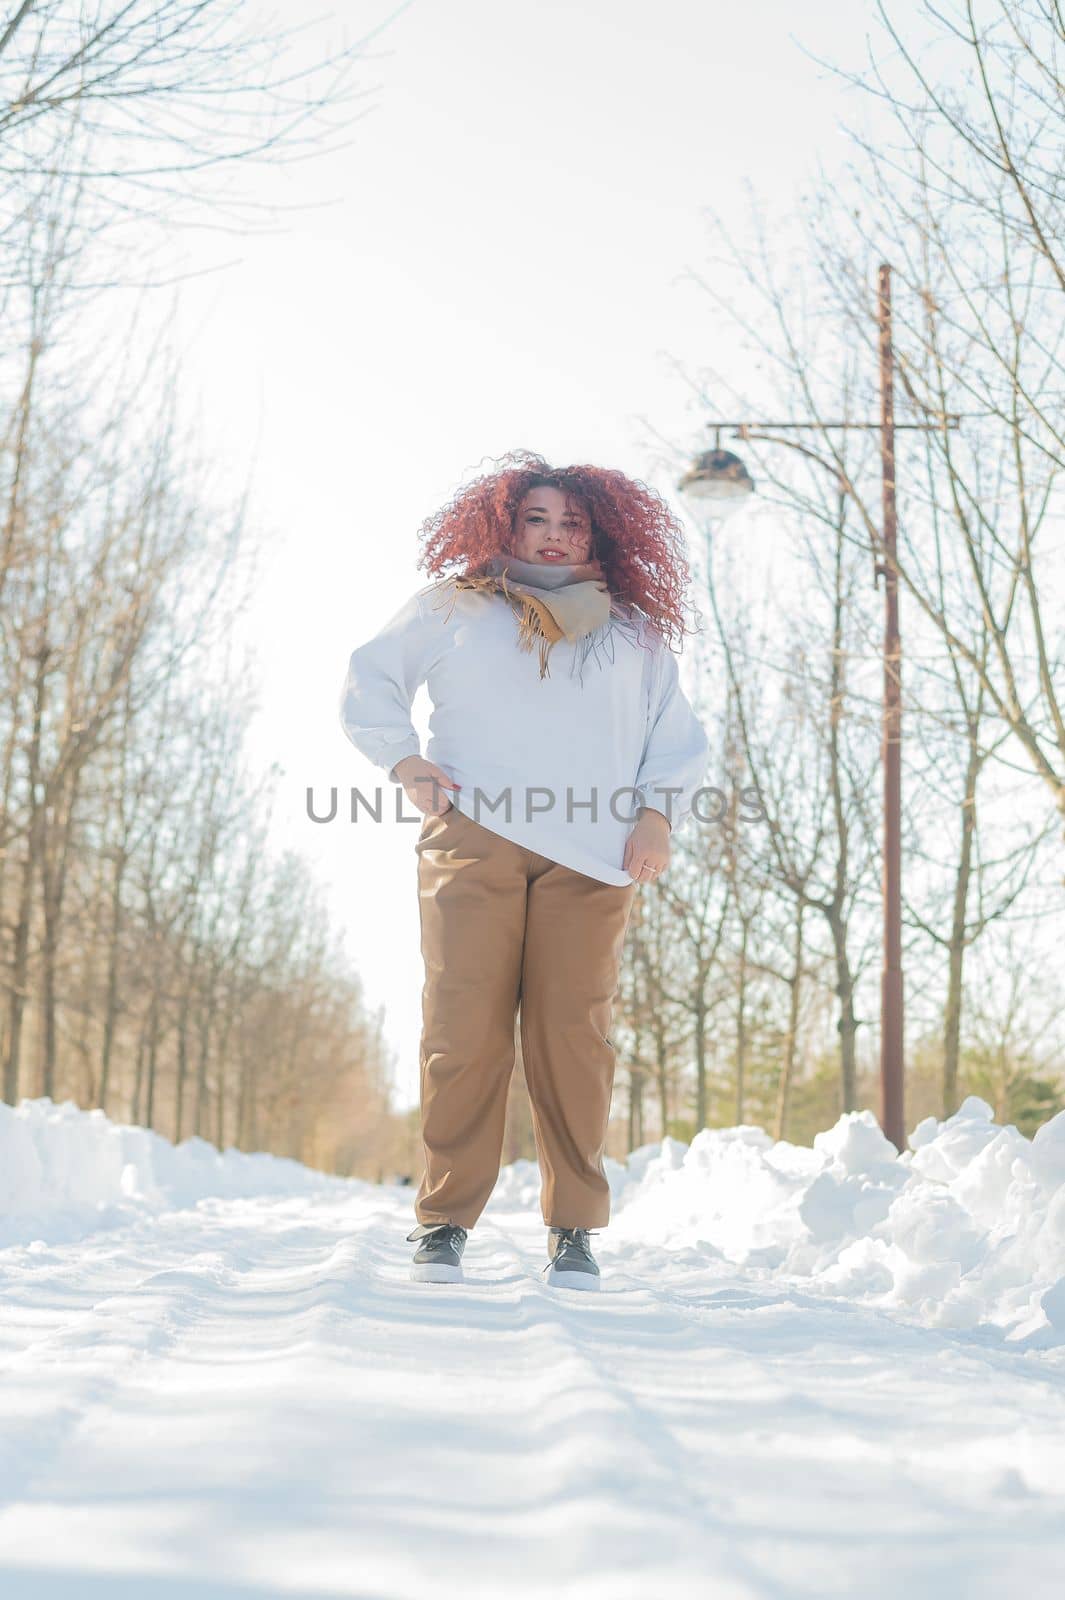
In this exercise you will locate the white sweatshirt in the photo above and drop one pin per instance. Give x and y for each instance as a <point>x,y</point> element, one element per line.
<point>538,759</point>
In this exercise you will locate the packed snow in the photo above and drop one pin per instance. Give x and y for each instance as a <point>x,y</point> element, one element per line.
<point>809,1372</point>
<point>966,1230</point>
<point>65,1173</point>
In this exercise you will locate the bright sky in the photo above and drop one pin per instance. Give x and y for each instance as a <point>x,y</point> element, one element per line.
<point>497,261</point>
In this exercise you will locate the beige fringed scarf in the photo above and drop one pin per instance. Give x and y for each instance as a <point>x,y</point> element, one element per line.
<point>551,602</point>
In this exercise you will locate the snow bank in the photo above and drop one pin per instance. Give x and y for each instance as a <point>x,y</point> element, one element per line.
<point>965,1230</point>
<point>65,1173</point>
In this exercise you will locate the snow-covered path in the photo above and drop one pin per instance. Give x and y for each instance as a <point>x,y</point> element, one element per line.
<point>250,1398</point>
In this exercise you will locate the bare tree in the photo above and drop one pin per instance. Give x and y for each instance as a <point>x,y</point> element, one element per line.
<point>968,202</point>
<point>651,1036</point>
<point>143,101</point>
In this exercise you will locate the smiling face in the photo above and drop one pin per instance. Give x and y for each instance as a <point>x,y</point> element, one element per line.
<point>549,532</point>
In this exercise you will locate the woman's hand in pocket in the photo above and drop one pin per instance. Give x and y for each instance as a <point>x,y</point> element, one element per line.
<point>423,783</point>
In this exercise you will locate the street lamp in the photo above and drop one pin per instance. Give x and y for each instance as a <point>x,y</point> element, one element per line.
<point>719,478</point>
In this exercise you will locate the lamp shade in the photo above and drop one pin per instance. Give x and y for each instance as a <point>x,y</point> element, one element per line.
<point>716,475</point>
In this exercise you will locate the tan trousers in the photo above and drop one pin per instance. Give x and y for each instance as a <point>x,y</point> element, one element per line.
<point>503,931</point>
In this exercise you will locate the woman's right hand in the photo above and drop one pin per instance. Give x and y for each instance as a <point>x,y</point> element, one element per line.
<point>423,782</point>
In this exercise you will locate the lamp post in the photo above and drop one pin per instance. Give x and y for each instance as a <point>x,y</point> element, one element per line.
<point>719,478</point>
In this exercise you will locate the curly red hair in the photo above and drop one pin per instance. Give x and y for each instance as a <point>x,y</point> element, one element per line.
<point>635,535</point>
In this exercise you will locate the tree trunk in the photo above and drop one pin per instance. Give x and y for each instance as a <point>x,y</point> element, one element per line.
<point>741,1026</point>
<point>952,1014</point>
<point>701,1096</point>
<point>848,1026</point>
<point>787,1065</point>
<point>111,999</point>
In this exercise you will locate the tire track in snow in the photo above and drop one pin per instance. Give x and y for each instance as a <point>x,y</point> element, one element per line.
<point>304,1413</point>
<point>51,1388</point>
<point>635,1452</point>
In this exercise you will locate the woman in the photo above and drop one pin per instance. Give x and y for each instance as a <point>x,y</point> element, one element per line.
<point>549,789</point>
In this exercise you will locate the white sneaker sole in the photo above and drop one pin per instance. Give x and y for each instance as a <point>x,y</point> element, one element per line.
<point>435,1272</point>
<point>572,1280</point>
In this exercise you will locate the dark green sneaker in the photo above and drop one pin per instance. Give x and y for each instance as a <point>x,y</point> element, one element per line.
<point>438,1259</point>
<point>572,1265</point>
